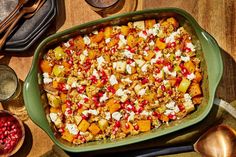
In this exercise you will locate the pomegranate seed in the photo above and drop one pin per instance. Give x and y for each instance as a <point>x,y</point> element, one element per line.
<point>163,88</point>
<point>97,104</point>
<point>157,70</point>
<point>181,107</point>
<point>154,113</point>
<point>184,71</point>
<point>156,49</point>
<point>100,94</point>
<point>69,111</point>
<point>79,105</point>
<point>83,139</point>
<point>149,118</point>
<point>117,124</point>
<point>129,61</point>
<point>68,103</point>
<point>181,65</point>
<point>84,117</point>
<point>159,80</point>
<point>140,109</point>
<point>170,92</point>
<point>136,127</point>
<point>162,40</point>
<point>95,99</point>
<point>127,126</point>
<point>186,49</point>
<point>151,36</point>
<point>111,89</point>
<point>81,89</point>
<point>178,80</point>
<point>126,116</point>
<point>172,116</point>
<point>86,100</point>
<point>144,81</point>
<point>173,44</point>
<point>170,67</point>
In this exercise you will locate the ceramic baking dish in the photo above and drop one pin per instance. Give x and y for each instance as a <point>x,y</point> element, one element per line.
<point>207,49</point>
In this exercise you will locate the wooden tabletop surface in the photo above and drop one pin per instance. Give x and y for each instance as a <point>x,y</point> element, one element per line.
<point>217,17</point>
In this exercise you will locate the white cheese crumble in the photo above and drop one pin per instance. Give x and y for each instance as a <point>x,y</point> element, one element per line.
<point>142,35</point>
<point>142,92</point>
<point>120,92</point>
<point>190,46</point>
<point>67,44</point>
<point>128,54</point>
<point>127,80</point>
<point>187,97</point>
<point>171,37</point>
<point>74,85</point>
<point>114,65</point>
<point>191,76</point>
<point>113,80</point>
<point>90,111</point>
<point>128,69</point>
<point>86,40</point>
<point>85,52</point>
<point>82,58</point>
<point>167,112</point>
<point>107,115</point>
<point>157,56</point>
<point>139,62</point>
<point>144,68</point>
<point>116,116</point>
<point>107,40</point>
<point>46,78</point>
<point>72,128</point>
<point>145,53</point>
<point>171,105</point>
<point>145,113</point>
<point>154,30</point>
<point>132,64</point>
<point>103,98</point>
<point>166,70</point>
<point>95,32</point>
<point>151,43</point>
<point>122,40</point>
<point>100,61</point>
<point>131,116</point>
<point>185,59</point>
<point>95,73</point>
<point>53,116</point>
<point>178,53</point>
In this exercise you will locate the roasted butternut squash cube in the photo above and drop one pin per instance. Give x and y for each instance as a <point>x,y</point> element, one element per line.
<point>144,125</point>
<point>195,90</point>
<point>131,40</point>
<point>54,110</point>
<point>126,126</point>
<point>139,25</point>
<point>103,124</point>
<point>66,135</point>
<point>198,77</point>
<point>45,66</point>
<point>113,42</point>
<point>113,105</point>
<point>149,97</point>
<point>107,32</point>
<point>197,100</point>
<point>83,126</point>
<point>94,129</point>
<point>149,23</point>
<point>161,45</point>
<point>184,85</point>
<point>79,42</point>
<point>164,118</point>
<point>92,54</point>
<point>173,21</point>
<point>124,30</point>
<point>96,38</point>
<point>189,66</point>
<point>149,55</point>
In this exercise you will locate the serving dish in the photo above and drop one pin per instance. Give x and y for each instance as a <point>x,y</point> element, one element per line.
<point>212,66</point>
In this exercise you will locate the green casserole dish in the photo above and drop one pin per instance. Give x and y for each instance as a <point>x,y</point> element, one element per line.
<point>207,50</point>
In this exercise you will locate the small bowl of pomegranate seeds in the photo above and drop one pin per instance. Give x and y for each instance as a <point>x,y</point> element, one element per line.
<point>12,133</point>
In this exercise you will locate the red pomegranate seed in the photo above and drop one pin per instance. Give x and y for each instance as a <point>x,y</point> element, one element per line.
<point>86,100</point>
<point>68,103</point>
<point>159,80</point>
<point>156,49</point>
<point>163,88</point>
<point>111,89</point>
<point>149,118</point>
<point>83,140</point>
<point>79,105</point>
<point>154,113</point>
<point>144,81</point>
<point>140,109</point>
<point>84,117</point>
<point>117,124</point>
<point>170,67</point>
<point>181,107</point>
<point>172,116</point>
<point>127,126</point>
<point>157,70</point>
<point>136,127</point>
<point>81,89</point>
<point>126,116</point>
<point>170,92</point>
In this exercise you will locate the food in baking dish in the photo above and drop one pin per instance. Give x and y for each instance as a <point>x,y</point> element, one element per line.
<point>122,80</point>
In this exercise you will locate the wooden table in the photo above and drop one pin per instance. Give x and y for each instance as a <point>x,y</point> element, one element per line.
<point>215,16</point>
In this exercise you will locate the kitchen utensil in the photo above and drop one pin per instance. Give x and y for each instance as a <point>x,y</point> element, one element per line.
<point>9,17</point>
<point>212,66</point>
<point>217,141</point>
<point>26,16</point>
<point>24,11</point>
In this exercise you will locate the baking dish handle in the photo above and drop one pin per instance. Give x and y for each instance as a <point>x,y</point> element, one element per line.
<point>32,100</point>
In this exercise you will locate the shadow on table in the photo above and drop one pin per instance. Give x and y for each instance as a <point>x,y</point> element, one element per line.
<point>27,145</point>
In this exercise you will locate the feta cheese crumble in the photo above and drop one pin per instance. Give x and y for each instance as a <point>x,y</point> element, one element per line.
<point>72,128</point>
<point>113,80</point>
<point>86,40</point>
<point>116,116</point>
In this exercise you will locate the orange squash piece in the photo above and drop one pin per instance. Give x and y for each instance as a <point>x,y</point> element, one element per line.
<point>83,126</point>
<point>149,23</point>
<point>113,105</point>
<point>45,66</point>
<point>94,129</point>
<point>144,125</point>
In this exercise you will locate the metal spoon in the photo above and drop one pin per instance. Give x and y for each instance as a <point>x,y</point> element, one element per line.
<point>24,11</point>
<point>18,6</point>
<point>219,141</point>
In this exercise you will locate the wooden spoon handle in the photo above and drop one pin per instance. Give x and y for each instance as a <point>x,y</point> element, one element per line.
<point>4,38</point>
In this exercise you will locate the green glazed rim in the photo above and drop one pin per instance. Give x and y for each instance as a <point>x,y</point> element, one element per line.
<point>214,68</point>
